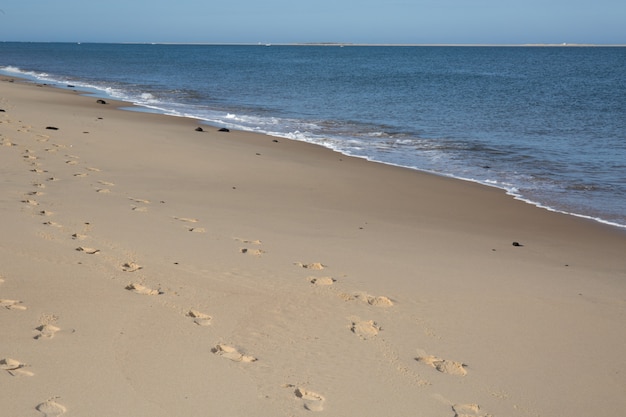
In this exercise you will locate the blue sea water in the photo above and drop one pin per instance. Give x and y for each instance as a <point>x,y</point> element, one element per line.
<point>546,124</point>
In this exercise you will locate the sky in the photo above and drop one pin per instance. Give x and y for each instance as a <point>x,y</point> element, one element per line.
<point>303,21</point>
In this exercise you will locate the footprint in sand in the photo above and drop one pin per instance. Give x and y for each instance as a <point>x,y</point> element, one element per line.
<point>14,367</point>
<point>45,213</point>
<point>322,281</point>
<point>51,408</point>
<point>314,266</point>
<point>365,329</point>
<point>78,236</point>
<point>55,224</point>
<point>90,251</point>
<point>312,401</point>
<point>197,229</point>
<point>186,219</point>
<point>71,162</point>
<point>199,318</point>
<point>39,185</point>
<point>443,365</point>
<point>107,183</point>
<point>1,279</point>
<point>47,329</point>
<point>103,190</point>
<point>232,353</point>
<point>80,174</point>
<point>12,304</point>
<point>254,252</point>
<point>131,267</point>
<point>139,200</point>
<point>249,242</point>
<point>142,289</point>
<point>468,410</point>
<point>380,301</point>
<point>139,209</point>
<point>30,202</point>
<point>93,169</point>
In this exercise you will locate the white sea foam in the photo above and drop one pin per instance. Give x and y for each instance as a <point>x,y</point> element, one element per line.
<point>11,69</point>
<point>148,98</point>
<point>20,72</point>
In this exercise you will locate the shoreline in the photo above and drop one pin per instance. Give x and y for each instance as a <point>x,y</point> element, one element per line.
<point>144,108</point>
<point>214,273</point>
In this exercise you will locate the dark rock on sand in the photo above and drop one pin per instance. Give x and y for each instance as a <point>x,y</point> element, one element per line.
<point>52,128</point>
<point>101,102</point>
<point>199,129</point>
<point>224,130</point>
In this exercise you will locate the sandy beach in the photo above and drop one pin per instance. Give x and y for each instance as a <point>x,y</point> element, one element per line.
<point>149,269</point>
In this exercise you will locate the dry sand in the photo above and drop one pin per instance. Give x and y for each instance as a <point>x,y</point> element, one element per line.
<point>147,269</point>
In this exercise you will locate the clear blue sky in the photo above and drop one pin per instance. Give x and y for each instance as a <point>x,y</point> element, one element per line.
<point>286,21</point>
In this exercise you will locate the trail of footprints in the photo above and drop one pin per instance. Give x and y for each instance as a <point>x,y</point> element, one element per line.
<point>16,368</point>
<point>310,400</point>
<point>47,328</point>
<point>370,329</point>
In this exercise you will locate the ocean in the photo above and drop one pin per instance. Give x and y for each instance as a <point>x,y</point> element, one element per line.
<point>546,124</point>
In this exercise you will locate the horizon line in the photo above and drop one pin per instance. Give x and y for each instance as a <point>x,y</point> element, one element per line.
<point>563,44</point>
